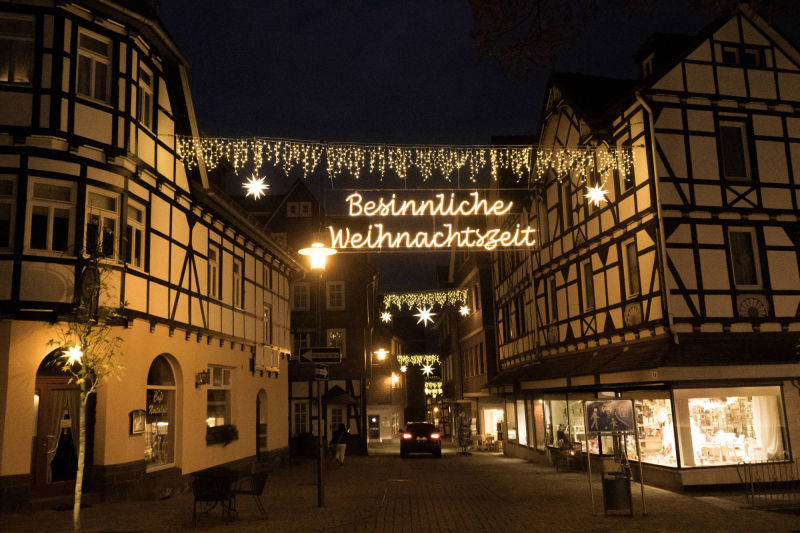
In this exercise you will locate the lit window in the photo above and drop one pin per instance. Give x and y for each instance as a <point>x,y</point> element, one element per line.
<point>7,210</point>
<point>238,283</point>
<point>300,296</point>
<point>94,67</point>
<point>51,215</point>
<point>735,160</point>
<point>102,213</point>
<point>588,286</point>
<point>213,271</point>
<point>743,257</point>
<point>335,291</point>
<point>16,48</point>
<point>144,107</point>
<point>134,235</point>
<point>632,268</point>
<point>159,430</point>
<point>337,338</point>
<point>218,397</point>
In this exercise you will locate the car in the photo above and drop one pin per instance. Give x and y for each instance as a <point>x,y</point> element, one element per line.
<point>420,437</point>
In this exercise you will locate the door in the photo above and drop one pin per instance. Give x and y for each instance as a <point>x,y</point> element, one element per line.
<point>55,452</point>
<point>374,427</point>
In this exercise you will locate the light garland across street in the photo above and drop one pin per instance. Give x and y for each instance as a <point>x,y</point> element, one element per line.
<point>418,359</point>
<point>425,298</point>
<point>433,388</point>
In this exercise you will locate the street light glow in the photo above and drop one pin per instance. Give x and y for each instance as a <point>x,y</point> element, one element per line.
<point>381,353</point>
<point>317,254</point>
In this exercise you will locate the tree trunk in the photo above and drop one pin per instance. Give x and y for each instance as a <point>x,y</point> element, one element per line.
<point>76,509</point>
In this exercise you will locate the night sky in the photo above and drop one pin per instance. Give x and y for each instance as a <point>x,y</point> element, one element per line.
<point>399,71</point>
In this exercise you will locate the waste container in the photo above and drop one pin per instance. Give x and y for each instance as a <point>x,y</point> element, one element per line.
<point>617,493</point>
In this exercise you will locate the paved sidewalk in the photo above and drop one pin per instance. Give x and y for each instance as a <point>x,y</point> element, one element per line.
<point>383,493</point>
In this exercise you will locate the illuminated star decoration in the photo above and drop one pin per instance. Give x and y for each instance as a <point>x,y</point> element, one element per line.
<point>73,355</point>
<point>427,370</point>
<point>425,316</point>
<point>255,186</point>
<point>464,310</point>
<point>386,317</point>
<point>403,368</point>
<point>596,194</point>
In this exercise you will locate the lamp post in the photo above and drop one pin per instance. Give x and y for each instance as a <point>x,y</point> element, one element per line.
<point>318,255</point>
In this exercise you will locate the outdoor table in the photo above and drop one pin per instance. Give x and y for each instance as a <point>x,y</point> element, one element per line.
<point>217,487</point>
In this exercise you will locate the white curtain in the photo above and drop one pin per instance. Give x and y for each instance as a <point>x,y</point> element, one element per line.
<point>62,400</point>
<point>766,423</point>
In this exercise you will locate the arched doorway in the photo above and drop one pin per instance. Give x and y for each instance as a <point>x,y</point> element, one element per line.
<point>261,424</point>
<point>160,427</point>
<point>57,430</point>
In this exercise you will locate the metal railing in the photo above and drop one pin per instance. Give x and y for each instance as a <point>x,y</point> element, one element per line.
<point>771,484</point>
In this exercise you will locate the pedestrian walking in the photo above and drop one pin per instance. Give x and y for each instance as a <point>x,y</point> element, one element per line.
<point>339,441</point>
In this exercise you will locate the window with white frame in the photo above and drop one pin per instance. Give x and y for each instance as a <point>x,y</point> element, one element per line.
<point>267,323</point>
<point>735,152</point>
<point>300,296</point>
<point>144,100</point>
<point>335,299</point>
<point>742,248</point>
<point>588,285</point>
<point>102,213</point>
<point>298,209</point>
<point>134,235</point>
<point>336,418</point>
<point>51,215</point>
<point>7,209</point>
<point>213,271</point>
<point>238,283</point>
<point>16,48</point>
<point>301,339</point>
<point>300,417</point>
<point>218,397</point>
<point>337,338</point>
<point>94,66</point>
<point>631,261</point>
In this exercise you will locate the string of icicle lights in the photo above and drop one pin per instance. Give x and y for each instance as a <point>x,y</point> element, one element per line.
<point>425,298</point>
<point>418,359</point>
<point>353,159</point>
<point>433,388</point>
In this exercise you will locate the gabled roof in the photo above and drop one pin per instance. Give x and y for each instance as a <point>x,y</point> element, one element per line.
<point>594,98</point>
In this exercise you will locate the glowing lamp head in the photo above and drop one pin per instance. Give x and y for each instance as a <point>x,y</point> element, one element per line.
<point>381,354</point>
<point>73,355</point>
<point>395,379</point>
<point>317,254</point>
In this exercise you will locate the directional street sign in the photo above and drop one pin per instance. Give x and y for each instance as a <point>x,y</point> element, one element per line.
<point>321,355</point>
<point>320,372</point>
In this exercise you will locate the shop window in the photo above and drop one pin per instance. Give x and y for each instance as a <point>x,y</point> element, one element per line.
<point>577,429</point>
<point>742,252</point>
<point>631,263</point>
<point>134,235</point>
<point>7,209</point>
<point>588,286</point>
<point>144,92</point>
<point>159,431</point>
<point>16,48</point>
<point>558,423</point>
<point>51,215</point>
<point>300,418</point>
<point>735,158</point>
<point>539,424</point>
<point>725,426</point>
<point>511,421</point>
<point>337,338</point>
<point>213,271</point>
<point>94,66</point>
<point>656,431</point>
<point>300,296</point>
<point>238,283</point>
<point>335,295</point>
<point>218,397</point>
<point>522,426</point>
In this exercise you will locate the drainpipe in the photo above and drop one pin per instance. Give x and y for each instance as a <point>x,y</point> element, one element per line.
<point>662,247</point>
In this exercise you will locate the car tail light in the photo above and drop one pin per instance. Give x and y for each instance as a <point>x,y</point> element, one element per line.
<point>406,435</point>
<point>434,436</point>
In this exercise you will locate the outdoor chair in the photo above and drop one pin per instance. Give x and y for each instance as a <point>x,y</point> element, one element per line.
<point>208,492</point>
<point>254,486</point>
<point>569,457</point>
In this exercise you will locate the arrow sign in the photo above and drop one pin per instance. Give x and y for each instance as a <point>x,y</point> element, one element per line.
<point>321,355</point>
<point>320,372</point>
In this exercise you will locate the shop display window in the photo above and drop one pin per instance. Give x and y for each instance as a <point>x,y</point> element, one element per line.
<point>725,426</point>
<point>540,429</point>
<point>559,422</point>
<point>511,418</point>
<point>656,431</point>
<point>522,426</point>
<point>159,430</point>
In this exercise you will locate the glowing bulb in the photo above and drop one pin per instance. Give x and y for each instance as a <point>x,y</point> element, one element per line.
<point>381,354</point>
<point>395,379</point>
<point>317,254</point>
<point>73,355</point>
<point>596,194</point>
<point>464,310</point>
<point>427,370</point>
<point>386,317</point>
<point>425,316</point>
<point>255,186</point>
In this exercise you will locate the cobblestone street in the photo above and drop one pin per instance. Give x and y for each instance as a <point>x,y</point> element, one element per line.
<point>383,493</point>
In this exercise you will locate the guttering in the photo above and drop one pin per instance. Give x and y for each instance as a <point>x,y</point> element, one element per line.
<point>661,241</point>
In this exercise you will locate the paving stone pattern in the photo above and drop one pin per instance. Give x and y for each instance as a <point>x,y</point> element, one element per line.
<point>386,494</point>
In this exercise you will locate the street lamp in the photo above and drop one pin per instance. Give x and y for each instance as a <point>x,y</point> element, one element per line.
<point>317,254</point>
<point>381,353</point>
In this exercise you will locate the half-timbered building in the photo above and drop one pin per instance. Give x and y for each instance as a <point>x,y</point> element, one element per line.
<point>92,95</point>
<point>681,291</point>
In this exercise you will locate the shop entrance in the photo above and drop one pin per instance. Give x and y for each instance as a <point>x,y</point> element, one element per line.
<point>57,430</point>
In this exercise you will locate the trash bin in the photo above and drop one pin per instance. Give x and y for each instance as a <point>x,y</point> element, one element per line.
<point>617,493</point>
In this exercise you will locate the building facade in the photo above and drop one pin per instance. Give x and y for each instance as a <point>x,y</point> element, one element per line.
<point>680,292</point>
<point>92,95</point>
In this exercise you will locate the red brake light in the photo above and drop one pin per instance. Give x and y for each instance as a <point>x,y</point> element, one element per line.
<point>434,436</point>
<point>406,435</point>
